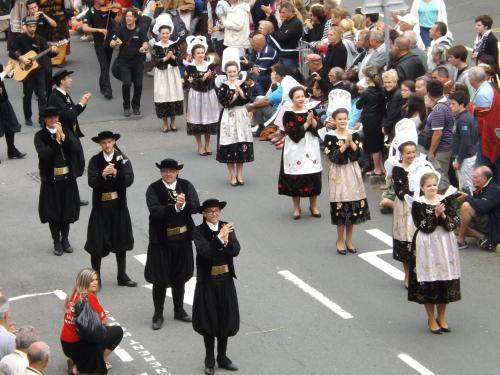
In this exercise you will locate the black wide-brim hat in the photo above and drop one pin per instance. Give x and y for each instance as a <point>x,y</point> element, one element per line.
<point>50,111</point>
<point>170,164</point>
<point>60,75</point>
<point>212,202</point>
<point>106,134</point>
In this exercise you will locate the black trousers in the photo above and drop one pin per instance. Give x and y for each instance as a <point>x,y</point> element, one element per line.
<point>59,231</point>
<point>34,83</point>
<point>9,139</point>
<point>159,293</point>
<point>104,54</point>
<point>132,74</point>
<point>221,351</point>
<point>121,262</point>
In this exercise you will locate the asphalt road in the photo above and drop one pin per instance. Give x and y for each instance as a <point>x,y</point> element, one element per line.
<point>304,309</point>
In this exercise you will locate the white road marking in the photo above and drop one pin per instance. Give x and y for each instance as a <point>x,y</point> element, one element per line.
<point>188,289</point>
<point>123,354</point>
<point>59,294</point>
<point>317,295</point>
<point>379,235</point>
<point>422,370</point>
<point>374,260</point>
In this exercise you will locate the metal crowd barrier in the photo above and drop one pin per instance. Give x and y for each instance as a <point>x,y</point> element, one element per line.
<point>305,49</point>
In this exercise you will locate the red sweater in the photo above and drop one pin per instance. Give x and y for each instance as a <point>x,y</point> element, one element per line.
<point>68,332</point>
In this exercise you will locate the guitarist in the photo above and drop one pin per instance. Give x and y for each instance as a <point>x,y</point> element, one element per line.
<point>35,81</point>
<point>44,23</point>
<point>100,21</point>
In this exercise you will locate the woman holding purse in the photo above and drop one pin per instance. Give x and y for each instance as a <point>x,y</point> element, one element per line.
<point>87,357</point>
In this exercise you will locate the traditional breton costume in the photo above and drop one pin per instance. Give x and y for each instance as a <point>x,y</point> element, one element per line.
<point>168,92</point>
<point>110,228</point>
<point>59,202</point>
<point>235,139</point>
<point>435,263</point>
<point>8,121</point>
<point>300,172</point>
<point>68,115</point>
<point>215,306</point>
<point>202,112</point>
<point>348,203</point>
<point>170,254</point>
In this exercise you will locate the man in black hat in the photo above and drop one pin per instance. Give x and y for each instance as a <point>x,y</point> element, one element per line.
<point>8,120</point>
<point>30,41</point>
<point>69,112</point>
<point>110,229</point>
<point>171,202</point>
<point>215,306</point>
<point>59,198</point>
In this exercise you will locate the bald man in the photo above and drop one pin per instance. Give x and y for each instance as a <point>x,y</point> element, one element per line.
<point>480,212</point>
<point>406,63</point>
<point>266,56</point>
<point>38,357</point>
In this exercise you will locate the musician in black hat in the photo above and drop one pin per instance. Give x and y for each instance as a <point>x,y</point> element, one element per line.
<point>171,202</point>
<point>69,112</point>
<point>8,120</point>
<point>215,306</point>
<point>110,229</point>
<point>59,198</point>
<point>35,81</point>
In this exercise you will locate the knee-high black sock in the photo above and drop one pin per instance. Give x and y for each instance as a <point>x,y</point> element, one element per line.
<point>209,351</point>
<point>121,262</point>
<point>178,297</point>
<point>64,231</point>
<point>9,139</point>
<point>159,293</point>
<point>221,349</point>
<point>55,231</point>
<point>95,261</point>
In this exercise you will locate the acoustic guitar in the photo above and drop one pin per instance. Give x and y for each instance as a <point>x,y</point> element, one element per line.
<point>22,71</point>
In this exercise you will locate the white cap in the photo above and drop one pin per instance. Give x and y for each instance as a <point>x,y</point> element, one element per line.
<point>408,18</point>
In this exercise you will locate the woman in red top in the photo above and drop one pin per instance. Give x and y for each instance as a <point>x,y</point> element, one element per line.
<point>87,357</point>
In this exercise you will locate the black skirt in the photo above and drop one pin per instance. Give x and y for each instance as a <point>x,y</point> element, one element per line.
<point>169,109</point>
<point>89,357</point>
<point>347,213</point>
<point>8,119</point>
<point>169,264</point>
<point>109,229</point>
<point>215,308</point>
<point>241,152</point>
<point>299,185</point>
<point>373,138</point>
<point>59,202</point>
<point>401,251</point>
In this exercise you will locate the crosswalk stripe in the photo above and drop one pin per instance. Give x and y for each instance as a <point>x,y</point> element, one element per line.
<point>421,369</point>
<point>188,288</point>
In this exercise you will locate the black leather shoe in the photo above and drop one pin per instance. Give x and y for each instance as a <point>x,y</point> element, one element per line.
<point>209,371</point>
<point>84,202</point>
<point>129,283</point>
<point>136,111</point>
<point>157,322</point>
<point>108,95</point>
<point>16,154</point>
<point>183,318</point>
<point>126,112</point>
<point>29,122</point>
<point>228,366</point>
<point>66,246</point>
<point>58,249</point>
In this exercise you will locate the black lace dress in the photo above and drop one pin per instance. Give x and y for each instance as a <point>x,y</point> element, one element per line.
<point>435,263</point>
<point>402,227</point>
<point>235,139</point>
<point>348,204</point>
<point>300,172</point>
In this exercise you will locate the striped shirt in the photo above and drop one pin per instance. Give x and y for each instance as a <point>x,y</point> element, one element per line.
<point>266,58</point>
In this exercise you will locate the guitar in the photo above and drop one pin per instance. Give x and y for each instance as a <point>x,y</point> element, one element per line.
<point>22,71</point>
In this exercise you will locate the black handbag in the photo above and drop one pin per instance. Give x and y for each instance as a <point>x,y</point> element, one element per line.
<point>424,139</point>
<point>115,69</point>
<point>87,322</point>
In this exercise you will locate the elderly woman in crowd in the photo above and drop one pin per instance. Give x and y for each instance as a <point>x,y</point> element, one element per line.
<point>85,356</point>
<point>300,172</point>
<point>393,102</point>
<point>18,360</point>
<point>336,52</point>
<point>266,28</point>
